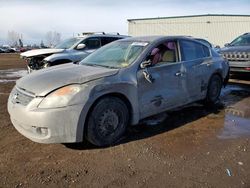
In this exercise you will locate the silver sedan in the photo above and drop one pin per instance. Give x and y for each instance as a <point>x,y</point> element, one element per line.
<point>118,85</point>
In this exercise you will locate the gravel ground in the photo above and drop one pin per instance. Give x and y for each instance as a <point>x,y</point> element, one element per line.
<point>195,146</point>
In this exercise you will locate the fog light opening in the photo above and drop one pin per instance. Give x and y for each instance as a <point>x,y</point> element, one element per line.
<point>41,130</point>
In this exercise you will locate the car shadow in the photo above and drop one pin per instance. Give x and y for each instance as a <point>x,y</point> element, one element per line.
<point>175,119</point>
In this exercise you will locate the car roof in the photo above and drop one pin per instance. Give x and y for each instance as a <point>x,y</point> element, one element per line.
<point>154,38</point>
<point>102,35</point>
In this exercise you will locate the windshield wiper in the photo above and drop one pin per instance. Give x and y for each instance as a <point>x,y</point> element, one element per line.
<point>98,65</point>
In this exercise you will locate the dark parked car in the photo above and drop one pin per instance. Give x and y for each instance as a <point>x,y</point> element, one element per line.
<point>238,54</point>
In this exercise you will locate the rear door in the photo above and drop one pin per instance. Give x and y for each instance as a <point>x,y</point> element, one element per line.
<point>197,61</point>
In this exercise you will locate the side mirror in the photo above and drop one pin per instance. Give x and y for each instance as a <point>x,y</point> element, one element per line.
<point>227,44</point>
<point>80,46</point>
<point>145,64</point>
<point>217,46</point>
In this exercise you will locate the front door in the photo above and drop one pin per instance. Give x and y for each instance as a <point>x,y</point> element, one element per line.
<point>165,91</point>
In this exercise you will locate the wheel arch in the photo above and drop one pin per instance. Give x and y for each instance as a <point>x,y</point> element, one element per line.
<point>113,94</point>
<point>82,123</point>
<point>217,72</point>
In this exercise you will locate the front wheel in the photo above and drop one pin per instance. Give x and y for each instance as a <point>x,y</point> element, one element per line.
<point>214,89</point>
<point>107,121</point>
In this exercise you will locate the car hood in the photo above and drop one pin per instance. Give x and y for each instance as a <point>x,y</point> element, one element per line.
<point>46,80</point>
<point>235,49</point>
<point>37,52</point>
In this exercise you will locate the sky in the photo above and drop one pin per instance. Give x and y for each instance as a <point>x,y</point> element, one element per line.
<point>34,18</point>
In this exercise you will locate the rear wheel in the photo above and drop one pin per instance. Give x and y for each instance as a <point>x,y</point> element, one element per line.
<point>214,89</point>
<point>107,121</point>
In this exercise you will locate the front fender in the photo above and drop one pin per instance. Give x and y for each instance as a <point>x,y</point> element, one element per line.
<point>94,93</point>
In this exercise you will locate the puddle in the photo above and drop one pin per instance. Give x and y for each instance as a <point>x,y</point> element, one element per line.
<point>237,112</point>
<point>233,93</point>
<point>11,75</point>
<point>6,80</point>
<point>235,127</point>
<point>229,89</point>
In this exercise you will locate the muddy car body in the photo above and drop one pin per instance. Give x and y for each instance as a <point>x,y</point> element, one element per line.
<point>71,50</point>
<point>238,54</point>
<point>118,85</point>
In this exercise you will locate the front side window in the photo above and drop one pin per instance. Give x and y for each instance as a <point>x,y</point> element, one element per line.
<point>192,50</point>
<point>165,52</point>
<point>115,55</point>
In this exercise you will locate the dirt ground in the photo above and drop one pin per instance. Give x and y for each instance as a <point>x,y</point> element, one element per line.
<point>194,147</point>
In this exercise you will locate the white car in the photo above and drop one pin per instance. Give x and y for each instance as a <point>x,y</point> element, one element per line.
<point>71,50</point>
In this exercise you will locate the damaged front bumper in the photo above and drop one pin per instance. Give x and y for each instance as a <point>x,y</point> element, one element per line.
<point>59,125</point>
<point>36,63</point>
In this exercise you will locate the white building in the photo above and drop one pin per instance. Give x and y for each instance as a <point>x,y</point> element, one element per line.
<point>216,28</point>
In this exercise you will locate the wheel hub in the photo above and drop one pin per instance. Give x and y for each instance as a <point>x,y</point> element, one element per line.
<point>108,122</point>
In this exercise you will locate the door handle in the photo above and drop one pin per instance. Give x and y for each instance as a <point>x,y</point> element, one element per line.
<point>179,73</point>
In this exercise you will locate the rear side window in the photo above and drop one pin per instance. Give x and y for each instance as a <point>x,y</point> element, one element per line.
<point>106,40</point>
<point>192,50</point>
<point>92,43</point>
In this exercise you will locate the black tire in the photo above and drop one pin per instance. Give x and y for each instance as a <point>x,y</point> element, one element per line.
<point>107,121</point>
<point>213,90</point>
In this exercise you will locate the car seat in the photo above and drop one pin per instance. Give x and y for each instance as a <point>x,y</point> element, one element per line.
<point>168,56</point>
<point>155,56</point>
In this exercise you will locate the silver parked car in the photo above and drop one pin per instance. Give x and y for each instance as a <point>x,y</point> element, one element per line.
<point>118,85</point>
<point>70,50</point>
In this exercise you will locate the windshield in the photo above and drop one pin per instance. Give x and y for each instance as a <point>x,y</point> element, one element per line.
<point>241,41</point>
<point>115,55</point>
<point>67,43</point>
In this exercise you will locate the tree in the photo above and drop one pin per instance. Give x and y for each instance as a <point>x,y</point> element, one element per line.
<point>42,44</point>
<point>20,42</point>
<point>13,38</point>
<point>52,38</point>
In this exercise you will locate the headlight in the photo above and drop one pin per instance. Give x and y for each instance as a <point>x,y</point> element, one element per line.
<point>61,97</point>
<point>46,64</point>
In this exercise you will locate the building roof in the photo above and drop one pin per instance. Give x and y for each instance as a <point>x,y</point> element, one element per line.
<point>190,16</point>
